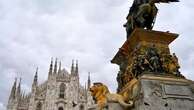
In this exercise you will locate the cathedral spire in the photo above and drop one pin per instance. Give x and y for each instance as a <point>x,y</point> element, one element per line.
<point>18,93</point>
<point>51,67</point>
<point>59,71</point>
<point>76,68</point>
<point>36,77</point>
<point>13,90</point>
<point>23,95</point>
<point>55,67</point>
<point>85,86</point>
<point>86,92</point>
<point>89,81</point>
<point>72,67</point>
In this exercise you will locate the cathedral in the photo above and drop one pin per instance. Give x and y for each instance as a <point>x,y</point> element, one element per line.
<point>61,91</point>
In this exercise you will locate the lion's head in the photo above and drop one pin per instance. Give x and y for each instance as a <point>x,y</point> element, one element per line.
<point>98,89</point>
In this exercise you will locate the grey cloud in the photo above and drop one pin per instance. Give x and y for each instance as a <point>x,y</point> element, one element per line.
<point>2,107</point>
<point>33,31</point>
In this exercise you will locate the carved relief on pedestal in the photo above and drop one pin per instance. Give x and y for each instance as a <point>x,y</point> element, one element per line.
<point>146,52</point>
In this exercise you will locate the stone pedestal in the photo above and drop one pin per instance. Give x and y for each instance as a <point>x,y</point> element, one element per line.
<point>145,51</point>
<point>141,39</point>
<point>158,92</point>
<point>114,106</point>
<point>149,74</point>
<point>164,93</point>
<point>110,106</point>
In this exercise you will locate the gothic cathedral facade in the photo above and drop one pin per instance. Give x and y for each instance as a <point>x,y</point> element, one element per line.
<point>61,91</point>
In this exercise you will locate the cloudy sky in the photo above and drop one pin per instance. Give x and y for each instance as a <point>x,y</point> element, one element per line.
<point>33,31</point>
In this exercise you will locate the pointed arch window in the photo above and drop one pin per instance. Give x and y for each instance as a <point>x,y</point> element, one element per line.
<point>39,106</point>
<point>81,107</point>
<point>62,90</point>
<point>60,108</point>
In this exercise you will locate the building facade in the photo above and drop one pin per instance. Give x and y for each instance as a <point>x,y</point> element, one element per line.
<point>61,91</point>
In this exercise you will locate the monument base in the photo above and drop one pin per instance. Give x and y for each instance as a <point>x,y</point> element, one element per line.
<point>164,93</point>
<point>152,91</point>
<point>146,51</point>
<point>149,73</point>
<point>110,106</point>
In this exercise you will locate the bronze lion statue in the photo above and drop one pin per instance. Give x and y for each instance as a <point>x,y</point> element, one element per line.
<point>102,96</point>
